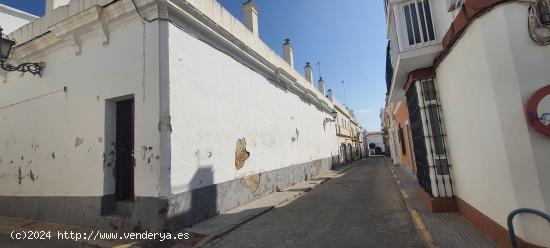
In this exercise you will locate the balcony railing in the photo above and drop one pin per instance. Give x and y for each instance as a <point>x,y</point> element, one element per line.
<point>389,68</point>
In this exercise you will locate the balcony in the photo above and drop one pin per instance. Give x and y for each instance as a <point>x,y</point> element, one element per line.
<point>415,39</point>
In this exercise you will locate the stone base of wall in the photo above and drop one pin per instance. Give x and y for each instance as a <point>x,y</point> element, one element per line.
<point>166,213</point>
<point>437,205</point>
<point>188,208</point>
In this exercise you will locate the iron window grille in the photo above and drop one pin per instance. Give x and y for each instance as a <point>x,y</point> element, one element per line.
<point>428,134</point>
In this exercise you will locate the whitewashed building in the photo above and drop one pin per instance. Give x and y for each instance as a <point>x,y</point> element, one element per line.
<point>348,132</point>
<point>377,139</point>
<point>154,119</point>
<point>465,71</point>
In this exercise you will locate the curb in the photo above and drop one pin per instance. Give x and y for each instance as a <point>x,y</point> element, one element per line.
<point>232,227</point>
<point>421,228</point>
<point>239,223</point>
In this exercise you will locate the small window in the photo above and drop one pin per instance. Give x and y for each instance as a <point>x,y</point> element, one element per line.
<point>418,22</point>
<point>402,141</point>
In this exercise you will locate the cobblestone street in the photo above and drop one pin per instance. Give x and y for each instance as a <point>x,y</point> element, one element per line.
<point>362,208</point>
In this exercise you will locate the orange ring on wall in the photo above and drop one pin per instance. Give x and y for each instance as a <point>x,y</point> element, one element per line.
<point>531,110</point>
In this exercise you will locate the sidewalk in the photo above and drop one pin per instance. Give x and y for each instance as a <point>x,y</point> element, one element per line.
<point>447,230</point>
<point>201,233</point>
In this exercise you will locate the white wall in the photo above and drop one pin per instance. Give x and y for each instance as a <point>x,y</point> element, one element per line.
<point>11,19</point>
<point>215,100</point>
<point>377,139</point>
<point>499,163</point>
<point>34,130</point>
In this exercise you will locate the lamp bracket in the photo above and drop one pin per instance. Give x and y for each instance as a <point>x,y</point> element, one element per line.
<point>33,68</point>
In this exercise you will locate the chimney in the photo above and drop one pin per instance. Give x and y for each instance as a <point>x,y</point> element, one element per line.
<point>54,4</point>
<point>309,73</point>
<point>250,12</point>
<point>288,53</point>
<point>321,85</point>
<point>330,95</point>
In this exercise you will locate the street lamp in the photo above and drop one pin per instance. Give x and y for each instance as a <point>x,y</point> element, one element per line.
<point>5,48</point>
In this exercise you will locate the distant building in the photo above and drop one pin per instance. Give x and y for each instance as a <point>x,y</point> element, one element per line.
<point>377,141</point>
<point>348,132</point>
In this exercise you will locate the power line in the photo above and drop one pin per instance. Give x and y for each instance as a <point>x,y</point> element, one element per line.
<point>34,98</point>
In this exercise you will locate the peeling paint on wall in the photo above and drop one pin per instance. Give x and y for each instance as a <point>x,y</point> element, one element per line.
<point>147,154</point>
<point>53,155</point>
<point>19,176</point>
<point>251,182</point>
<point>31,176</point>
<point>241,154</point>
<point>109,160</point>
<point>78,141</point>
<point>165,124</point>
<point>295,138</point>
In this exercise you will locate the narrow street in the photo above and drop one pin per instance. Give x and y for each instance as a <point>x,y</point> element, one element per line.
<point>362,208</point>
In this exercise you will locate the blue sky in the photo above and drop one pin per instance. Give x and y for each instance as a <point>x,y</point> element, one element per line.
<point>347,36</point>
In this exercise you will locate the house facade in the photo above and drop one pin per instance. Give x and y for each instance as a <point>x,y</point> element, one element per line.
<point>153,117</point>
<point>461,75</point>
<point>377,140</point>
<point>348,132</point>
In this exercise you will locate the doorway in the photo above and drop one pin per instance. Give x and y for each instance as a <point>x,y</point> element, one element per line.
<point>124,172</point>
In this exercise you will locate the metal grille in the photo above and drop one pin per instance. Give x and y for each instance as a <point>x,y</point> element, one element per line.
<point>428,135</point>
<point>544,12</point>
<point>417,133</point>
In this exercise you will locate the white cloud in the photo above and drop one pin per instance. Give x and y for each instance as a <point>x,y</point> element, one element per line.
<point>365,111</point>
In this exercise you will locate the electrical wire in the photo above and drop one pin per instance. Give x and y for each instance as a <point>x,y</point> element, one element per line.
<point>140,14</point>
<point>33,98</point>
